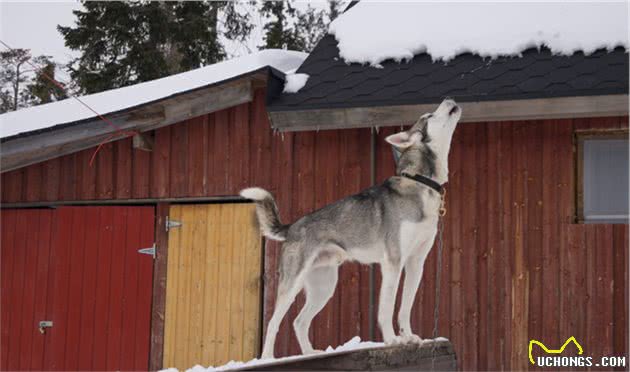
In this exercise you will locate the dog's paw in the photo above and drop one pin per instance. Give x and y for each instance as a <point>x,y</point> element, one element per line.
<point>313,351</point>
<point>396,340</point>
<point>411,339</point>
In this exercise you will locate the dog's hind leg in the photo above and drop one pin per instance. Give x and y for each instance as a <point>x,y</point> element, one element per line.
<point>319,284</point>
<point>390,273</point>
<point>291,277</point>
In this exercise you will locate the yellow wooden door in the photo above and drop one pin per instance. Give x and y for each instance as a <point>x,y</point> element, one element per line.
<point>213,287</point>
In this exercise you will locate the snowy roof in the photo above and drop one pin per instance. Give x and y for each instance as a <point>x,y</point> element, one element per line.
<point>115,100</point>
<point>501,65</point>
<point>372,32</point>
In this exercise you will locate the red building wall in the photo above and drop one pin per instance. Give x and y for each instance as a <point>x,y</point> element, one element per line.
<point>515,266</point>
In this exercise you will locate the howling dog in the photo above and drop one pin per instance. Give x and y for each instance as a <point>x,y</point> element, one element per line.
<point>393,224</point>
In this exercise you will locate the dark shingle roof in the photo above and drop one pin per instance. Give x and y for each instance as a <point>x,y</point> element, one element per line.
<point>535,74</point>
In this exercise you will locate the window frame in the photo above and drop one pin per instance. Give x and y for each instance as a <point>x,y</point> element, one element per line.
<point>579,136</point>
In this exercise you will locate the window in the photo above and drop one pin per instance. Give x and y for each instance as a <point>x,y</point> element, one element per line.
<point>602,175</point>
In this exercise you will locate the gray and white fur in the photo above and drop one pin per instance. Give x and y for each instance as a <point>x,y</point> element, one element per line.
<point>393,224</point>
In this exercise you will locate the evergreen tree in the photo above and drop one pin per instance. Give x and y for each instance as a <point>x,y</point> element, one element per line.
<point>13,74</point>
<point>290,28</point>
<point>124,43</point>
<point>41,89</point>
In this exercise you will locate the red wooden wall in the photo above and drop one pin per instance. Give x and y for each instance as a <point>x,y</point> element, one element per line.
<point>79,268</point>
<point>515,265</point>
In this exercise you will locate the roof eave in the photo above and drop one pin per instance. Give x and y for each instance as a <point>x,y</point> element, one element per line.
<point>476,111</point>
<point>34,147</point>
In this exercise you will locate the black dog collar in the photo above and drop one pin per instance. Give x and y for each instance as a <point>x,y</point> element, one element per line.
<point>424,180</point>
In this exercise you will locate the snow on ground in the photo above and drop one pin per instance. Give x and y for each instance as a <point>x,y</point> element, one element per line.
<point>354,344</point>
<point>294,82</point>
<point>372,31</point>
<point>69,110</point>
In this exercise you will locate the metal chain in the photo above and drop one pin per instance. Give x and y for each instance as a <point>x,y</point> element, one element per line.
<point>438,273</point>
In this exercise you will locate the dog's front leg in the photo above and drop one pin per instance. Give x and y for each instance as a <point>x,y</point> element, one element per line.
<point>389,286</point>
<point>413,275</point>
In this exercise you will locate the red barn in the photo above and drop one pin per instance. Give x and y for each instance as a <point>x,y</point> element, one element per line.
<point>535,239</point>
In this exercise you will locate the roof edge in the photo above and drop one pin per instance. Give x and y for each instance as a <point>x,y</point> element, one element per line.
<point>478,111</point>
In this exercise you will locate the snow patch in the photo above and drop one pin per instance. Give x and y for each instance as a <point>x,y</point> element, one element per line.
<point>371,31</point>
<point>110,101</point>
<point>354,344</point>
<point>294,82</point>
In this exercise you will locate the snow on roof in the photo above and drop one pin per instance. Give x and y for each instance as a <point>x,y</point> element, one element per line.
<point>294,82</point>
<point>69,110</point>
<point>371,32</point>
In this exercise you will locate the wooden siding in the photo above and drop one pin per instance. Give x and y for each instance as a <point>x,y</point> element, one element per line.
<point>515,265</point>
<point>79,268</point>
<point>213,293</point>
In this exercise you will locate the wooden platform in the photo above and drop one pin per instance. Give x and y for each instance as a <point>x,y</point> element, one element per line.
<point>428,356</point>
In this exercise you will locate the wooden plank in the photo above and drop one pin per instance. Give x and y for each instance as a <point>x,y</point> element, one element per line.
<point>470,248</point>
<point>42,287</point>
<point>8,253</point>
<point>224,307</point>
<point>506,169</point>
<point>483,111</point>
<point>198,279</point>
<point>260,142</point>
<point>12,186</point>
<point>105,172</point>
<point>123,168</point>
<point>141,166</point>
<point>129,291</point>
<point>221,154</point>
<point>179,160</point>
<point>50,177</point>
<point>25,318</point>
<point>620,317</point>
<point>172,285</point>
<point>239,148</point>
<point>237,278</point>
<point>534,184</point>
<point>196,163</point>
<point>211,294</point>
<point>85,174</point>
<point>482,228</point>
<point>104,251</point>
<point>160,275</point>
<point>87,320</point>
<point>160,163</point>
<point>16,291</point>
<point>210,154</point>
<point>33,182</point>
<point>73,305</point>
<point>143,313</point>
<point>550,230</point>
<point>252,266</point>
<point>495,300</point>
<point>183,343</point>
<point>120,225</point>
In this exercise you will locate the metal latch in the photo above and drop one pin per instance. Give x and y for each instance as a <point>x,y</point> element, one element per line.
<point>172,223</point>
<point>149,251</point>
<point>43,324</point>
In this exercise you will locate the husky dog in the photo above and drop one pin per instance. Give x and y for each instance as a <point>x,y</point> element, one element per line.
<point>393,224</point>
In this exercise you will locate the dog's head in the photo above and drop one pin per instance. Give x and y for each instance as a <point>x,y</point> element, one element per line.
<point>431,127</point>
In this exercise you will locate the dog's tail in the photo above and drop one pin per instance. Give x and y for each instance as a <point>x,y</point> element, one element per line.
<point>267,212</point>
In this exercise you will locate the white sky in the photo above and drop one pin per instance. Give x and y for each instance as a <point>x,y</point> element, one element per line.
<point>33,25</point>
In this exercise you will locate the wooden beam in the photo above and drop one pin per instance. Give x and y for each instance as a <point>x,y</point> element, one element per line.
<point>525,109</point>
<point>159,288</point>
<point>23,151</point>
<point>143,141</point>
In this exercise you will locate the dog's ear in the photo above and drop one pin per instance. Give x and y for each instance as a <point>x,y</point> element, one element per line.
<point>403,139</point>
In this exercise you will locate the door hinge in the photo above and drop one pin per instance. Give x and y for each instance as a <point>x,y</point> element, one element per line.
<point>149,251</point>
<point>172,223</point>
